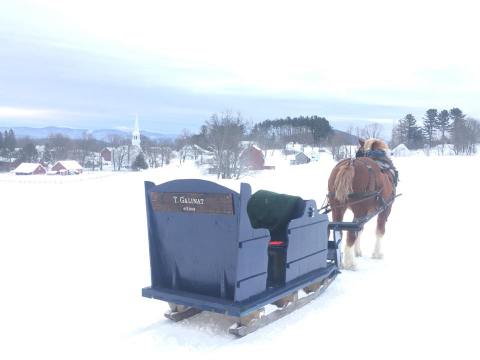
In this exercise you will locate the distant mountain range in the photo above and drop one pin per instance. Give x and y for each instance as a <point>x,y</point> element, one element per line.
<point>104,134</point>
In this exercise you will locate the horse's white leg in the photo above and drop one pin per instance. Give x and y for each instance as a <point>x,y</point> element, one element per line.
<point>358,251</point>
<point>348,262</point>
<point>377,253</point>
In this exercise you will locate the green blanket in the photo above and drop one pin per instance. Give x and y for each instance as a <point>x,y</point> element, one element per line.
<point>273,211</point>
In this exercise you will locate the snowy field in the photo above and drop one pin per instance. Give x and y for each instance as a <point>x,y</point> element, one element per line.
<point>74,257</point>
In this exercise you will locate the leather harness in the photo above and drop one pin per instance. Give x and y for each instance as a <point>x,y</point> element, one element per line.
<point>363,195</point>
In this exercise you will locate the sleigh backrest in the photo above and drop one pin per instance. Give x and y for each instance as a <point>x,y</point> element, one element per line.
<point>201,240</point>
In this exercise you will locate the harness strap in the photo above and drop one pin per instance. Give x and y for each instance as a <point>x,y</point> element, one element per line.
<point>370,175</point>
<point>363,194</point>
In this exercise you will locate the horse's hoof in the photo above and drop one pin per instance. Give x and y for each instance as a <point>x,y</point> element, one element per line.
<point>377,256</point>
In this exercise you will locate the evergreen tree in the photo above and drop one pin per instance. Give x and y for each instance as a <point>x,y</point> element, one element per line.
<point>140,162</point>
<point>429,125</point>
<point>457,116</point>
<point>320,128</point>
<point>1,141</point>
<point>10,142</point>
<point>458,130</point>
<point>400,133</point>
<point>29,153</point>
<point>414,137</point>
<point>48,157</point>
<point>443,125</point>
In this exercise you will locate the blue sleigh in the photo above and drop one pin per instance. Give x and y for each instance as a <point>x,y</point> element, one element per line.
<point>206,256</point>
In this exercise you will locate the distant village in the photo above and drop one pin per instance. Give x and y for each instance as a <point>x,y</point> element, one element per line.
<point>235,153</point>
<point>226,145</point>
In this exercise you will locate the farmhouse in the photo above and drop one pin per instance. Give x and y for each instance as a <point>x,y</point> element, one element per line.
<point>300,158</point>
<point>194,152</point>
<point>67,167</point>
<point>30,169</point>
<point>294,147</point>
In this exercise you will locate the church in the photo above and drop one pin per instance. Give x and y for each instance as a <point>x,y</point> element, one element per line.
<point>136,134</point>
<point>123,156</point>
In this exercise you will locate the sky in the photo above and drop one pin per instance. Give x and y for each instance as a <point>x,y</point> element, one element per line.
<point>96,64</point>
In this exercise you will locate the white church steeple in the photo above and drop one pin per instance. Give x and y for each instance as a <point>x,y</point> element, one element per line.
<point>136,133</point>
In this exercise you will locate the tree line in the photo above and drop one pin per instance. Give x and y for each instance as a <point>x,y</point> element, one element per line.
<point>48,151</point>
<point>308,130</point>
<point>85,150</point>
<point>223,133</point>
<point>438,128</point>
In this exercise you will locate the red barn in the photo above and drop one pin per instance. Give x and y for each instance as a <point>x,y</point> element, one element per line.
<point>252,158</point>
<point>30,169</point>
<point>106,154</point>
<point>67,167</point>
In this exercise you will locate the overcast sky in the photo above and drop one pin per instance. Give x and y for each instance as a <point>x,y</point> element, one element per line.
<point>95,64</point>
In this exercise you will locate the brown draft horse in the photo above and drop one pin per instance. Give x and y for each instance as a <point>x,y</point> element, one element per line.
<point>359,184</point>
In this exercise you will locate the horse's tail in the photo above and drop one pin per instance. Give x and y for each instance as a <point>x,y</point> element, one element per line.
<point>344,180</point>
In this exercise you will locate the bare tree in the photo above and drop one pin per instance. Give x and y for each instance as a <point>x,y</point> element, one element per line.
<point>85,148</point>
<point>120,157</point>
<point>166,152</point>
<point>59,146</point>
<point>369,131</point>
<point>339,146</point>
<point>115,140</point>
<point>150,151</point>
<point>120,151</point>
<point>472,135</point>
<point>224,134</point>
<point>181,141</point>
<point>158,152</point>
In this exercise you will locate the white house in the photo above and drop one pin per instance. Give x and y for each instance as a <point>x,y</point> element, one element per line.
<point>400,150</point>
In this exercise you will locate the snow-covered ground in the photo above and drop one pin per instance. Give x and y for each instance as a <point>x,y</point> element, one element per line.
<point>74,257</point>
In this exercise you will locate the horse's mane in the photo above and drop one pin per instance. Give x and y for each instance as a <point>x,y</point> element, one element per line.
<point>375,144</point>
